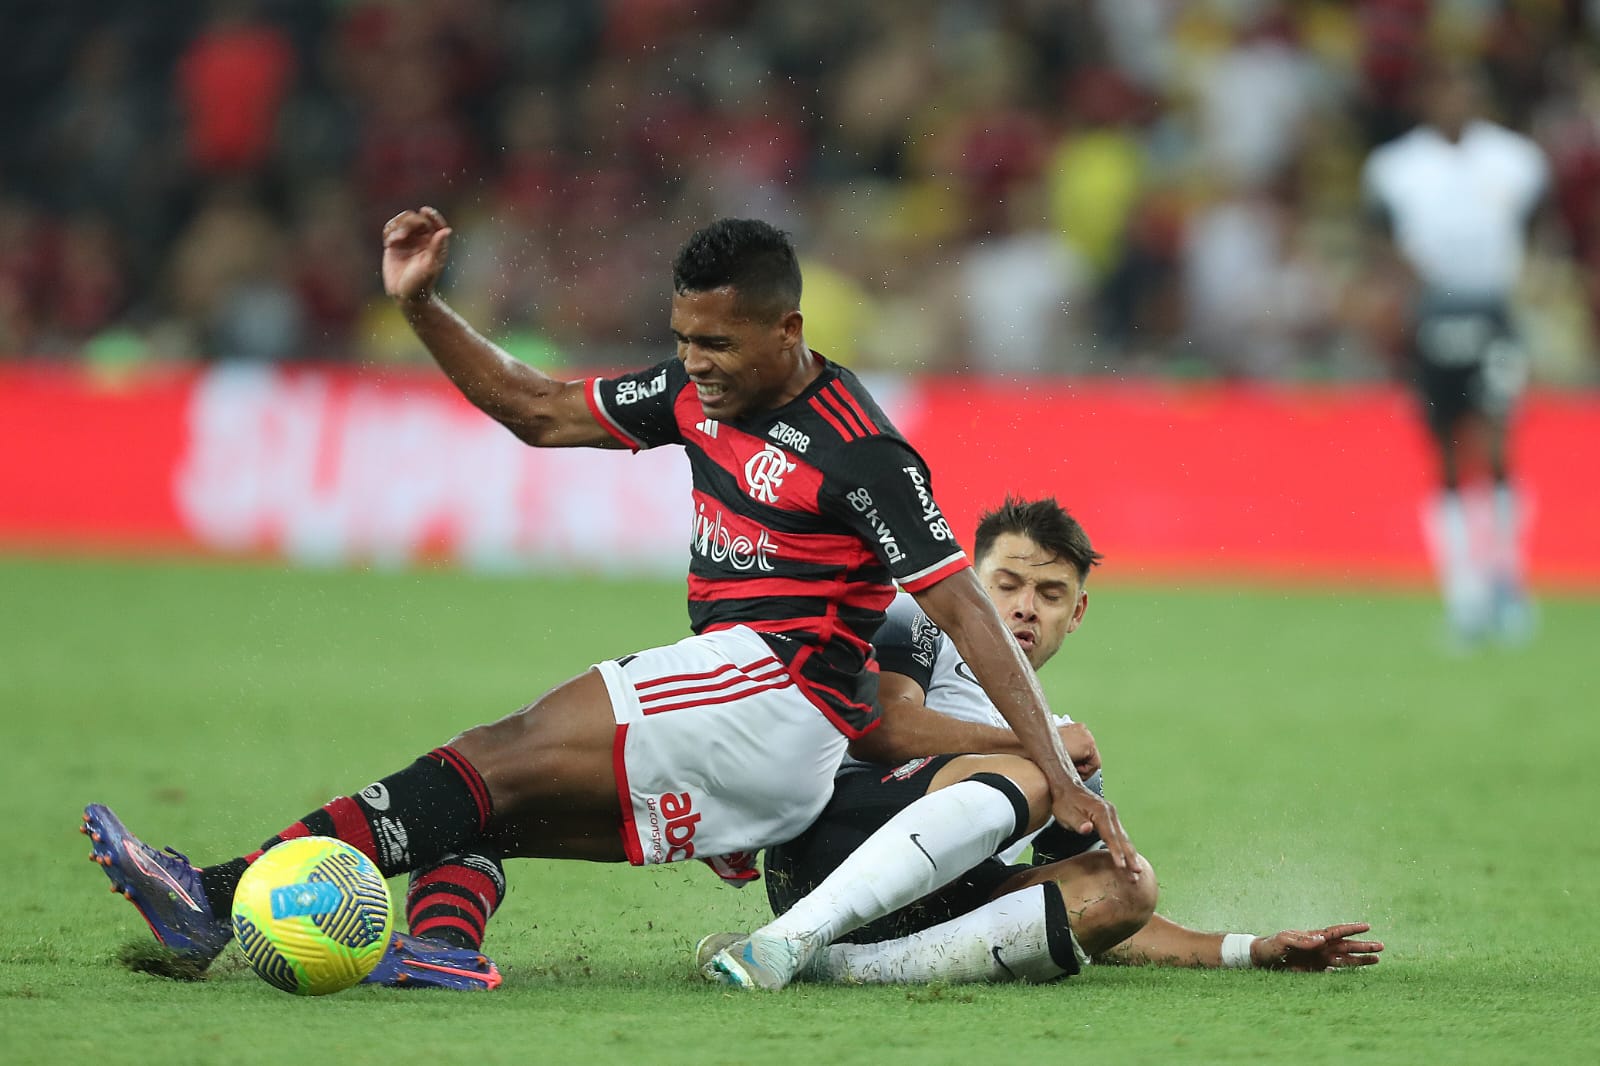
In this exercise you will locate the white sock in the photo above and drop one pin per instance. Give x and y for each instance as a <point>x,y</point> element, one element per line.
<point>1007,939</point>
<point>924,847</point>
<point>1507,536</point>
<point>1462,580</point>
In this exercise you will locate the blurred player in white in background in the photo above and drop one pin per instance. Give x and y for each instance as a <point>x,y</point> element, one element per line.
<point>1457,195</point>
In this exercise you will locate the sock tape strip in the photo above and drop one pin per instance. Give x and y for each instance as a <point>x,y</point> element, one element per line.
<point>1064,949</point>
<point>1019,803</point>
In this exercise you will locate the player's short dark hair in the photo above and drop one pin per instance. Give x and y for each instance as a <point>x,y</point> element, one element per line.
<point>1046,523</point>
<point>753,257</point>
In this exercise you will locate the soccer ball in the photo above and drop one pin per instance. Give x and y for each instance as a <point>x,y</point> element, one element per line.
<point>312,916</point>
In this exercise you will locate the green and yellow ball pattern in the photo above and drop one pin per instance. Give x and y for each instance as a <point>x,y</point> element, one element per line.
<point>312,916</point>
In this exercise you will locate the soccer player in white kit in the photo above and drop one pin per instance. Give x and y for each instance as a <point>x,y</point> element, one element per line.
<point>997,921</point>
<point>1457,195</point>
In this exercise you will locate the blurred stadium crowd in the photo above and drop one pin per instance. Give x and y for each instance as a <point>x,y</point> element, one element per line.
<point>1001,186</point>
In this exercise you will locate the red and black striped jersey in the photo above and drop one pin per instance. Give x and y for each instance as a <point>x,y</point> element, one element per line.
<point>805,518</point>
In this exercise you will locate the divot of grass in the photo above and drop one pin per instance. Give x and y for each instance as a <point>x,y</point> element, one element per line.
<point>155,958</point>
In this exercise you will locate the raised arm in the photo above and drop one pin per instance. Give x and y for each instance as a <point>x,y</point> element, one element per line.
<point>540,410</point>
<point>960,607</point>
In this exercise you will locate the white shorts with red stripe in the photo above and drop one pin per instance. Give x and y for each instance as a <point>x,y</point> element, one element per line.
<point>717,749</point>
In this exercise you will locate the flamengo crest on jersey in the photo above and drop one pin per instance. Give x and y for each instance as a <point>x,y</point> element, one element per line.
<point>763,474</point>
<point>804,519</point>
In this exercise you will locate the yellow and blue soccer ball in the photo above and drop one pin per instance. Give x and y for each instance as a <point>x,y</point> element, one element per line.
<point>312,915</point>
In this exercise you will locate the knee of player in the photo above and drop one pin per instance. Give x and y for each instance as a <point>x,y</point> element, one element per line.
<point>1128,898</point>
<point>1143,894</point>
<point>1107,904</point>
<point>1026,778</point>
<point>1030,782</point>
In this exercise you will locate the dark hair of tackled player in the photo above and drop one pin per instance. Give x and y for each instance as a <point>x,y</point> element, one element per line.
<point>1046,523</point>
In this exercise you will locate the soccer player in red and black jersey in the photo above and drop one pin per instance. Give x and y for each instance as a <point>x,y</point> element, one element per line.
<point>808,509</point>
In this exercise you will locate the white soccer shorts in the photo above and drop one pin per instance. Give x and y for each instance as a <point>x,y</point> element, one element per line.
<point>717,749</point>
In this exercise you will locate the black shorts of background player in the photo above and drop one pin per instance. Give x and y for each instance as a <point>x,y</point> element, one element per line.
<point>1470,366</point>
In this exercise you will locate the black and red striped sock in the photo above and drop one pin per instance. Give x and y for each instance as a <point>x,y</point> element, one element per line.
<point>406,820</point>
<point>453,899</point>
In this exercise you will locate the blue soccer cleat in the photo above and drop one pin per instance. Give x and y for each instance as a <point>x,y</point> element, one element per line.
<point>418,962</point>
<point>165,887</point>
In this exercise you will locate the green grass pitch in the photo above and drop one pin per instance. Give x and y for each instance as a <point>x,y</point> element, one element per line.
<point>1284,757</point>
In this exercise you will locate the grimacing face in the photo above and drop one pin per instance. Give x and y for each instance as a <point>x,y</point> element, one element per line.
<point>738,366</point>
<point>1038,594</point>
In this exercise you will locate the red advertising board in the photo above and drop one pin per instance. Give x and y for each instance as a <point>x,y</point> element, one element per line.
<point>1239,480</point>
<point>336,465</point>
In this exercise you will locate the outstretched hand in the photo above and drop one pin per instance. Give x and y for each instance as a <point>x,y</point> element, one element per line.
<point>416,245</point>
<point>1317,949</point>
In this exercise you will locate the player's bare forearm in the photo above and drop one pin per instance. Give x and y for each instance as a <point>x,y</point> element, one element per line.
<point>486,374</point>
<point>536,407</point>
<point>1162,942</point>
<point>911,730</point>
<point>1385,255</point>
<point>960,607</point>
<point>1166,943</point>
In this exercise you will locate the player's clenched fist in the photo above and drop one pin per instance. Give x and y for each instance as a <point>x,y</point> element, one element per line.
<point>416,245</point>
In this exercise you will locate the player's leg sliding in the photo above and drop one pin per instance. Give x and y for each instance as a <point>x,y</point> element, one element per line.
<point>453,899</point>
<point>1037,933</point>
<point>920,849</point>
<point>411,818</point>
<point>408,819</point>
<point>1023,936</point>
<point>447,907</point>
